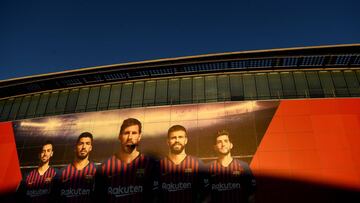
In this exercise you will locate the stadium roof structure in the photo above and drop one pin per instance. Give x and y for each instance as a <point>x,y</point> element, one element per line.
<point>332,56</point>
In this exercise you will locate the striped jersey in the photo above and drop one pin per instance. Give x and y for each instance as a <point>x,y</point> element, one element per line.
<point>76,185</point>
<point>181,182</point>
<point>127,182</point>
<point>233,183</point>
<point>38,187</point>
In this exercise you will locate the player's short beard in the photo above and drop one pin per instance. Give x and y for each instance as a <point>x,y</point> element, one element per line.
<point>224,153</point>
<point>129,148</point>
<point>44,162</point>
<point>82,157</point>
<point>176,151</point>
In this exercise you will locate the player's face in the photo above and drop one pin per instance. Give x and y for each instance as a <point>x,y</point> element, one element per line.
<point>83,147</point>
<point>46,153</point>
<point>223,145</point>
<point>177,141</point>
<point>130,138</point>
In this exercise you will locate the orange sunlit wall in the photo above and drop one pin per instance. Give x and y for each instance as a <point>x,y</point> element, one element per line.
<point>316,141</point>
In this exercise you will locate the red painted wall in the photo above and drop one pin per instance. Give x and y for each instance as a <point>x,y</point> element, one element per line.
<point>10,174</point>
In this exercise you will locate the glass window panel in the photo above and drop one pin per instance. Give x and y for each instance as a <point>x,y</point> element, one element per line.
<point>288,84</point>
<point>6,110</point>
<point>236,87</point>
<point>262,86</point>
<point>223,88</point>
<point>93,99</point>
<point>301,84</point>
<point>40,111</point>
<point>198,90</point>
<point>50,108</point>
<point>2,104</point>
<point>358,74</point>
<point>275,85</point>
<point>32,107</point>
<point>161,92</point>
<point>15,108</point>
<point>115,93</point>
<point>315,88</point>
<point>341,89</point>
<point>352,83</point>
<point>137,95</point>
<point>126,92</point>
<point>61,103</point>
<point>23,107</point>
<point>149,93</point>
<point>249,87</point>
<point>185,90</point>
<point>104,97</point>
<point>82,100</point>
<point>327,83</point>
<point>174,90</point>
<point>211,89</point>
<point>72,100</point>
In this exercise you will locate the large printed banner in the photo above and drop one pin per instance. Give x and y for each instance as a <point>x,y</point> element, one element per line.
<point>187,180</point>
<point>298,150</point>
<point>245,121</point>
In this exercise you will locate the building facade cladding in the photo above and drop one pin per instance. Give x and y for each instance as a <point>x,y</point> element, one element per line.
<point>260,85</point>
<point>313,72</point>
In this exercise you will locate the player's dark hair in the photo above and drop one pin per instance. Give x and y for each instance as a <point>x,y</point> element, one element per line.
<point>85,134</point>
<point>129,122</point>
<point>46,142</point>
<point>221,133</point>
<point>176,128</point>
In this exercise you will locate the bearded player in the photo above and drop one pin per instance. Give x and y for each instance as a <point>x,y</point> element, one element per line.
<point>129,175</point>
<point>76,180</point>
<point>38,183</point>
<point>182,176</point>
<point>231,180</point>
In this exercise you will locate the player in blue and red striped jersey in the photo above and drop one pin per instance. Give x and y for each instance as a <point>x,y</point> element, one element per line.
<point>76,181</point>
<point>231,180</point>
<point>181,175</point>
<point>37,185</point>
<point>128,176</point>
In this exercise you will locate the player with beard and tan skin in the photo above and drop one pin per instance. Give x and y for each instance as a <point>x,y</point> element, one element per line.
<point>38,183</point>
<point>231,180</point>
<point>181,175</point>
<point>129,175</point>
<point>76,180</point>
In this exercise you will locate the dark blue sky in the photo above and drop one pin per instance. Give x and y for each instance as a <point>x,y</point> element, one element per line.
<point>42,36</point>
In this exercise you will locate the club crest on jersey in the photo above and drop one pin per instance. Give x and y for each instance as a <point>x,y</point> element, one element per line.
<point>65,180</point>
<point>140,172</point>
<point>188,170</point>
<point>88,177</point>
<point>236,173</point>
<point>48,179</point>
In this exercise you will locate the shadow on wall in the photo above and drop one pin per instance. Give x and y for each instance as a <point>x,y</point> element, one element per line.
<point>281,190</point>
<point>271,189</point>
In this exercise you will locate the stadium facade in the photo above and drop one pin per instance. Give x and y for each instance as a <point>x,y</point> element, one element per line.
<point>294,113</point>
<point>314,72</point>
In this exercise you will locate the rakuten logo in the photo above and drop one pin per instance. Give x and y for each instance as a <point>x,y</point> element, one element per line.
<point>124,191</point>
<point>173,187</point>
<point>225,186</point>
<point>74,192</point>
<point>36,193</point>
